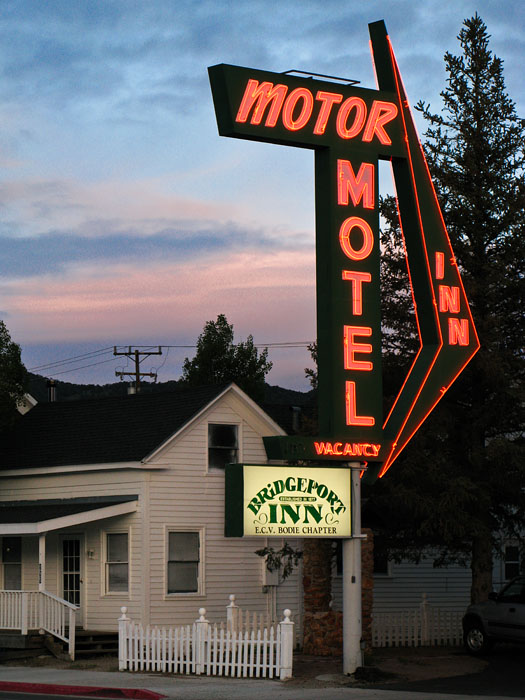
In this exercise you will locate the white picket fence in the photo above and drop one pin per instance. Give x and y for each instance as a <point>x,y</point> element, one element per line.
<point>245,621</point>
<point>241,648</point>
<point>423,626</point>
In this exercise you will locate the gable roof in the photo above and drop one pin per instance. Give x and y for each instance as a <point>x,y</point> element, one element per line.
<point>97,431</point>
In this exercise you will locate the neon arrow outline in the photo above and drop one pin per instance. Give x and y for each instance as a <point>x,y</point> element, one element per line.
<point>419,394</point>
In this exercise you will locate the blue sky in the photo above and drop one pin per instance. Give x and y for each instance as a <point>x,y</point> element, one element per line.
<point>125,218</point>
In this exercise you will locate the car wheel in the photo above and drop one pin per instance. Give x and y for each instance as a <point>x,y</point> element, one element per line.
<point>476,640</point>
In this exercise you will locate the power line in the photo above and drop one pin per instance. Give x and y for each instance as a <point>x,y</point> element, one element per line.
<point>69,360</point>
<point>77,369</point>
<point>84,356</point>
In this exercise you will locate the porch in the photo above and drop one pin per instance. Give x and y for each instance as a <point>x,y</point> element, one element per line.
<point>26,604</point>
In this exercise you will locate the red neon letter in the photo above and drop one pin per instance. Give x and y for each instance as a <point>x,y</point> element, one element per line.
<point>342,117</point>
<point>344,238</point>
<point>449,299</point>
<point>458,331</point>
<point>351,416</point>
<point>351,348</point>
<point>291,101</point>
<point>357,279</point>
<point>264,94</point>
<point>328,99</point>
<point>380,114</point>
<point>440,266</point>
<point>360,187</point>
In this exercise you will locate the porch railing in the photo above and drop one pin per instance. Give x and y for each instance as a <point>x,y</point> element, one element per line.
<point>39,610</point>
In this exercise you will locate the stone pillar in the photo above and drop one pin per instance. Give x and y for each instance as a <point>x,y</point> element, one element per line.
<point>323,627</point>
<point>323,632</point>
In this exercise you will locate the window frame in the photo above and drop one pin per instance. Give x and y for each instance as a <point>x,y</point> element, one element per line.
<point>17,563</point>
<point>238,426</point>
<point>514,544</point>
<point>382,574</point>
<point>107,564</point>
<point>201,589</point>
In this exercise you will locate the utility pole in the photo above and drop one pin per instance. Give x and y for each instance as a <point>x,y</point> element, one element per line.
<point>135,355</point>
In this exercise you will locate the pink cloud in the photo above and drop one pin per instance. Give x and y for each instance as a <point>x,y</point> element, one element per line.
<point>271,295</point>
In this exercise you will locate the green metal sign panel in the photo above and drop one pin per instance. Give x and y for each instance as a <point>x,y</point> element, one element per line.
<point>350,128</point>
<point>280,501</point>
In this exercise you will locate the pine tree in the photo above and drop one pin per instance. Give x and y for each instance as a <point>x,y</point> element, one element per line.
<point>459,486</point>
<point>218,360</point>
<point>13,377</point>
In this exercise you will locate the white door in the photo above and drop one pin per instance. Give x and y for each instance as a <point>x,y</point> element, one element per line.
<point>72,572</point>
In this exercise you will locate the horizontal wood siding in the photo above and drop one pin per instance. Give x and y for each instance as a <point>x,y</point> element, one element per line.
<point>447,588</point>
<point>188,496</point>
<point>101,611</point>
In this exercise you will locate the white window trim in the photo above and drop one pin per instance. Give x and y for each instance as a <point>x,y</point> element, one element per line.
<point>124,595</point>
<point>2,562</point>
<point>201,579</point>
<point>504,562</point>
<point>214,470</point>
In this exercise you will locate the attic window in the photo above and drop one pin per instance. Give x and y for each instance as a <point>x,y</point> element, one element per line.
<point>223,445</point>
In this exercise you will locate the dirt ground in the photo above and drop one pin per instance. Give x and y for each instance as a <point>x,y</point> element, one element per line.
<point>382,666</point>
<point>389,666</point>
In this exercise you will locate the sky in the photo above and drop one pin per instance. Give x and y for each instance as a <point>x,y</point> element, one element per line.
<point>126,220</point>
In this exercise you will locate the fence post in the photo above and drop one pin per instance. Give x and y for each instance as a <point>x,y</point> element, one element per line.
<point>24,608</point>
<point>201,626</point>
<point>425,635</point>
<point>232,615</point>
<point>72,631</point>
<point>286,627</point>
<point>41,613</point>
<point>123,633</point>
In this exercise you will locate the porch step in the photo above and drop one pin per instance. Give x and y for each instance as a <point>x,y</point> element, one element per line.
<point>10,654</point>
<point>14,645</point>
<point>96,643</point>
<point>11,639</point>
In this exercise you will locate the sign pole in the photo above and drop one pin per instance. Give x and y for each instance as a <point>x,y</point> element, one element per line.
<point>352,607</point>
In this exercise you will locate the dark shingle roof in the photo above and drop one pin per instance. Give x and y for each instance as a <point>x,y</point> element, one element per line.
<point>94,431</point>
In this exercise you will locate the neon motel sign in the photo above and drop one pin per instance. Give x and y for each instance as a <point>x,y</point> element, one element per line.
<point>350,128</point>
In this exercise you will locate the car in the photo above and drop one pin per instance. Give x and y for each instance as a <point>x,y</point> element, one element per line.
<point>500,618</point>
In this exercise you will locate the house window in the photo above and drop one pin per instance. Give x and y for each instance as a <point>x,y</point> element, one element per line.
<point>381,563</point>
<point>223,445</point>
<point>12,561</point>
<point>117,564</point>
<point>183,562</point>
<point>512,561</point>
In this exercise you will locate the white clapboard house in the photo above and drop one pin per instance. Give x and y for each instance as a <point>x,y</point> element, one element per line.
<point>118,502</point>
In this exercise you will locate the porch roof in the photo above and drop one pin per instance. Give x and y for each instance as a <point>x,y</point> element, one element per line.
<point>39,516</point>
